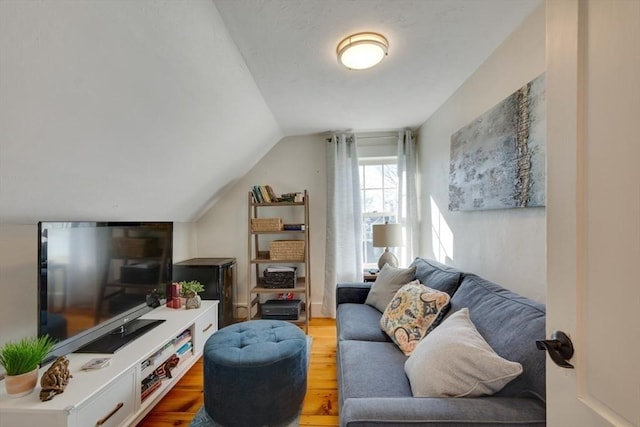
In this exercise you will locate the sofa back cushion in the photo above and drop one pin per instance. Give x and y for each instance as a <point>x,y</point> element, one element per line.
<point>437,276</point>
<point>511,324</point>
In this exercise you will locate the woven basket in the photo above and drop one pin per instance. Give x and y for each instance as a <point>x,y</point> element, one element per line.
<point>279,279</point>
<point>287,250</point>
<point>266,224</point>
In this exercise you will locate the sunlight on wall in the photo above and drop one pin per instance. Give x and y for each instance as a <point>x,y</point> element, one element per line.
<point>441,235</point>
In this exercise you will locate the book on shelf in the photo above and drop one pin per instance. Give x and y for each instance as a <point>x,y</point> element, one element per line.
<point>184,348</point>
<point>265,194</point>
<point>257,194</point>
<point>146,391</point>
<point>149,385</point>
<point>293,227</point>
<point>271,193</point>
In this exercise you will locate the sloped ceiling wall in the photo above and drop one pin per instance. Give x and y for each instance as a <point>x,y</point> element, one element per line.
<point>122,110</point>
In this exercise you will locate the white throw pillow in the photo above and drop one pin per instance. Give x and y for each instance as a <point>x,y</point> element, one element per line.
<point>454,360</point>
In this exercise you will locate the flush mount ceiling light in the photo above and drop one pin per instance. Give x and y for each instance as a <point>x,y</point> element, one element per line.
<point>362,50</point>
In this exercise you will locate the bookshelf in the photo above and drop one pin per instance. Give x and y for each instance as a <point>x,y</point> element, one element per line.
<point>274,242</point>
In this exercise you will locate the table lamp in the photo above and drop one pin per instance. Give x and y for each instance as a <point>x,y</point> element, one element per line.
<point>385,236</point>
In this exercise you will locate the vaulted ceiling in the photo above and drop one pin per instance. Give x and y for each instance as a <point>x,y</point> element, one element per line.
<point>150,109</point>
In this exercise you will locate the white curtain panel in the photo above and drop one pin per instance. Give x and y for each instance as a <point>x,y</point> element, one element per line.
<point>343,258</point>
<point>408,214</point>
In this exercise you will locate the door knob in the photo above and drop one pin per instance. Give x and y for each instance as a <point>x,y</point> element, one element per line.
<point>559,347</point>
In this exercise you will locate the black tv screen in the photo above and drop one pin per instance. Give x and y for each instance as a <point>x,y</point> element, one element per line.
<point>95,276</point>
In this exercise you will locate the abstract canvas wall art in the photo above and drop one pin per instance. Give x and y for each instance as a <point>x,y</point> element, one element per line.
<point>498,160</point>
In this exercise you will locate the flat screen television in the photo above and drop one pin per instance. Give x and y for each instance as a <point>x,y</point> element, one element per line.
<point>94,279</point>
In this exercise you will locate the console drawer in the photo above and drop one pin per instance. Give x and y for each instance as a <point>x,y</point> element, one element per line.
<point>205,326</point>
<point>112,406</point>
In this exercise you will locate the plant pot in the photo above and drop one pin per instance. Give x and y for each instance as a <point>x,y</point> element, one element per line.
<point>192,300</point>
<point>21,385</point>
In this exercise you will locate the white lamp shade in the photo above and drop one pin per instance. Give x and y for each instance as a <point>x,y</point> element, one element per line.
<point>362,50</point>
<point>387,235</point>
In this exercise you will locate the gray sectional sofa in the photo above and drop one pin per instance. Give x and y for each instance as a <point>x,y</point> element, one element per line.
<point>374,389</point>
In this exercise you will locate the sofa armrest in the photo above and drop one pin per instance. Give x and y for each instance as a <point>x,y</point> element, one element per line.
<point>442,412</point>
<point>352,292</point>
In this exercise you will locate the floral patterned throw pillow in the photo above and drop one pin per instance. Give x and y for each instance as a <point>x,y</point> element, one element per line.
<point>412,313</point>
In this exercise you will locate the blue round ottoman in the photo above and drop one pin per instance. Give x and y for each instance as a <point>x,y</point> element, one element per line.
<point>255,373</point>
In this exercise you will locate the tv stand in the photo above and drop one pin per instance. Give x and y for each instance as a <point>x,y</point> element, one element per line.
<point>120,336</point>
<point>123,392</point>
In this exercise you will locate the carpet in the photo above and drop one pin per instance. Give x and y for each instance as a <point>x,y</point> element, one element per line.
<point>202,418</point>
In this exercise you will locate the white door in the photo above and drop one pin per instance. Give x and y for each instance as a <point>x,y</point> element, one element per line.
<point>593,209</point>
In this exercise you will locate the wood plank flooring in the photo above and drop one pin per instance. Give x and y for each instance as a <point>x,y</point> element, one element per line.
<point>320,407</point>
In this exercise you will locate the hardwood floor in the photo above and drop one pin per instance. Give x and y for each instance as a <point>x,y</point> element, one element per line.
<point>320,407</point>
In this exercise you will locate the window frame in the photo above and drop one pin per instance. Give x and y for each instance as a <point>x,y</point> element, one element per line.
<point>367,217</point>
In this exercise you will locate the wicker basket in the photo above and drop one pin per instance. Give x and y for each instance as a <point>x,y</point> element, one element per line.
<point>280,279</point>
<point>266,224</point>
<point>292,250</point>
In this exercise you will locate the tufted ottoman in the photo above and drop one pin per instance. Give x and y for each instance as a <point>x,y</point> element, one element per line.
<point>255,373</point>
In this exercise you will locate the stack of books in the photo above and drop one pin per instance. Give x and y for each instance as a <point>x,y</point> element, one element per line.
<point>264,194</point>
<point>149,385</point>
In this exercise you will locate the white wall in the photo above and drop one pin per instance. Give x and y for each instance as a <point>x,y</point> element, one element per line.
<point>18,281</point>
<point>294,164</point>
<point>124,106</point>
<point>506,246</point>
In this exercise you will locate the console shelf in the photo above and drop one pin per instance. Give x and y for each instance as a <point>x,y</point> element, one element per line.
<point>112,396</point>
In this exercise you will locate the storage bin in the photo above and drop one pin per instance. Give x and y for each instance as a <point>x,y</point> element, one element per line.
<point>280,279</point>
<point>266,224</point>
<point>292,250</point>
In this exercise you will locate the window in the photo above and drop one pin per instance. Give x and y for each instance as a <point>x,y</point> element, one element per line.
<point>379,192</point>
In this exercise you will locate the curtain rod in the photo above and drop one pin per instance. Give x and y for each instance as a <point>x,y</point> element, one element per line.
<point>350,137</point>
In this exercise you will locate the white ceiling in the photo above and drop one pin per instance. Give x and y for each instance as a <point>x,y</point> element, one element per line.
<point>151,109</point>
<point>435,45</point>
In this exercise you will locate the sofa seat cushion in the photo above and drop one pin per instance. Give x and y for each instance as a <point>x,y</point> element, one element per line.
<point>455,361</point>
<point>359,322</point>
<point>510,324</point>
<point>437,276</point>
<point>371,369</point>
<point>412,313</point>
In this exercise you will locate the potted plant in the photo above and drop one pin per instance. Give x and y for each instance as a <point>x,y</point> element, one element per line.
<point>21,360</point>
<point>189,290</point>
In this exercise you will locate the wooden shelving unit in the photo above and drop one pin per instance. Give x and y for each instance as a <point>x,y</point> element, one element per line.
<point>258,247</point>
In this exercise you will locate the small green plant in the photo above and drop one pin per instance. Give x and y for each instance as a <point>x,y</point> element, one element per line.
<point>20,357</point>
<point>190,286</point>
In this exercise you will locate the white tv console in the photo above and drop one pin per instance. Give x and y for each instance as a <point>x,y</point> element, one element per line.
<point>112,396</point>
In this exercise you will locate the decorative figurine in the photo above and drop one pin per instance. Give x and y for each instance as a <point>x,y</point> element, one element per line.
<point>153,298</point>
<point>164,370</point>
<point>55,379</point>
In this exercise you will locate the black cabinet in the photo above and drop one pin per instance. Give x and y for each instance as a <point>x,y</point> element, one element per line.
<point>218,276</point>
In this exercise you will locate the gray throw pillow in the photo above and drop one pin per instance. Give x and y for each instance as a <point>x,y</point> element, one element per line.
<point>454,360</point>
<point>389,281</point>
